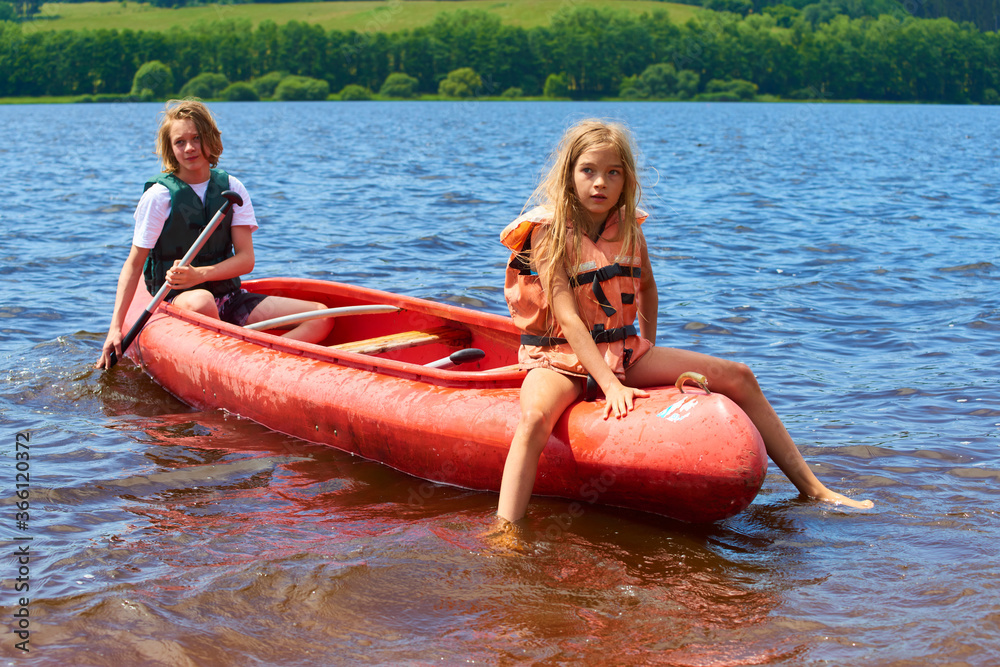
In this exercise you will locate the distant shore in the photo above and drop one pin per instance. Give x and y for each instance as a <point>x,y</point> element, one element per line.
<point>125,99</point>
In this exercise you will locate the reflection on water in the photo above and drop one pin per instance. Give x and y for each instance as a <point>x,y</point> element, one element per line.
<point>837,249</point>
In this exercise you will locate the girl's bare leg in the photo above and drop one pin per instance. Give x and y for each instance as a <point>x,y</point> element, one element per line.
<point>199,300</point>
<point>661,366</point>
<point>545,395</point>
<point>312,331</point>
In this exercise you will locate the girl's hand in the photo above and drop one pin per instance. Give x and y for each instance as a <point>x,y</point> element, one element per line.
<point>113,343</point>
<point>620,399</point>
<point>182,277</point>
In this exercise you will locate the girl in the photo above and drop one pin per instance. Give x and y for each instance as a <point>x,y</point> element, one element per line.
<point>173,210</point>
<point>578,277</point>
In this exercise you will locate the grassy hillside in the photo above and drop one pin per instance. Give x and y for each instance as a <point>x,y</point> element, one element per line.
<point>367,16</point>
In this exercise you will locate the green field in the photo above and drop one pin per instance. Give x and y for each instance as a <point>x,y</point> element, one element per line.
<point>369,16</point>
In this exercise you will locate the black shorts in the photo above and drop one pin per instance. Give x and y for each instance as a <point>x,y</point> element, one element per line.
<point>236,307</point>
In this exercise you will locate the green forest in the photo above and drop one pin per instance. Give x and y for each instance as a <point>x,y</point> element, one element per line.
<point>829,50</point>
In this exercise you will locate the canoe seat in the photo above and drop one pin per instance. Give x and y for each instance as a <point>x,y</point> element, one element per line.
<point>405,339</point>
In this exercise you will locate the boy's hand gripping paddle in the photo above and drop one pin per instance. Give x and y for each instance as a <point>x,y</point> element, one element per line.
<point>231,199</point>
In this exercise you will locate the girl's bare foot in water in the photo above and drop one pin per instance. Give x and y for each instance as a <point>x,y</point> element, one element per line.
<point>829,496</point>
<point>506,536</point>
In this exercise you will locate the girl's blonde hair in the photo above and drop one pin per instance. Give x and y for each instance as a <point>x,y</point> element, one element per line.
<point>557,191</point>
<point>204,122</point>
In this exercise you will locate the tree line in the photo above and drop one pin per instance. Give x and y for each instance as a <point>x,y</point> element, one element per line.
<point>584,53</point>
<point>984,14</point>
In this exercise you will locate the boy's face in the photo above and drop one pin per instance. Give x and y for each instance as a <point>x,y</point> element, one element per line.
<point>598,177</point>
<point>185,141</point>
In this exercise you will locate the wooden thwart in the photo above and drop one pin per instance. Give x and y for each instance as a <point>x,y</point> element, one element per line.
<point>405,339</point>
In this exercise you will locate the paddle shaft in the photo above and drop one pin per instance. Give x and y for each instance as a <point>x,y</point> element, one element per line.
<point>161,294</point>
<point>298,318</point>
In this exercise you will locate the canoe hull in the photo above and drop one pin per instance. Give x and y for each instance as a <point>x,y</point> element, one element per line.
<point>691,457</point>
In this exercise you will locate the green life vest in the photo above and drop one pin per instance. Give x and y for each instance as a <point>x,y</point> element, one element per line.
<point>187,218</point>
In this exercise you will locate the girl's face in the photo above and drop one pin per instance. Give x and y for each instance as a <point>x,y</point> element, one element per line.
<point>598,177</point>
<point>186,144</point>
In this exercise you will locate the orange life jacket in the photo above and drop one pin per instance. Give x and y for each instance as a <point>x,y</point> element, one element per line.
<point>604,282</point>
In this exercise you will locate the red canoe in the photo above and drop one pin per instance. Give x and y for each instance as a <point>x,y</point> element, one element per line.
<point>692,456</point>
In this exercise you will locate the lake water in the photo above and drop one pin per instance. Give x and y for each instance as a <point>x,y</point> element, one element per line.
<point>846,252</point>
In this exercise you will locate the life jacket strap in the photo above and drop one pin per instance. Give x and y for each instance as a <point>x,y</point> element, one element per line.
<point>599,334</point>
<point>519,262</point>
<point>603,274</point>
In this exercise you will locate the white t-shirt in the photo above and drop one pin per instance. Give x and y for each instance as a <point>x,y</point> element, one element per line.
<point>154,206</point>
